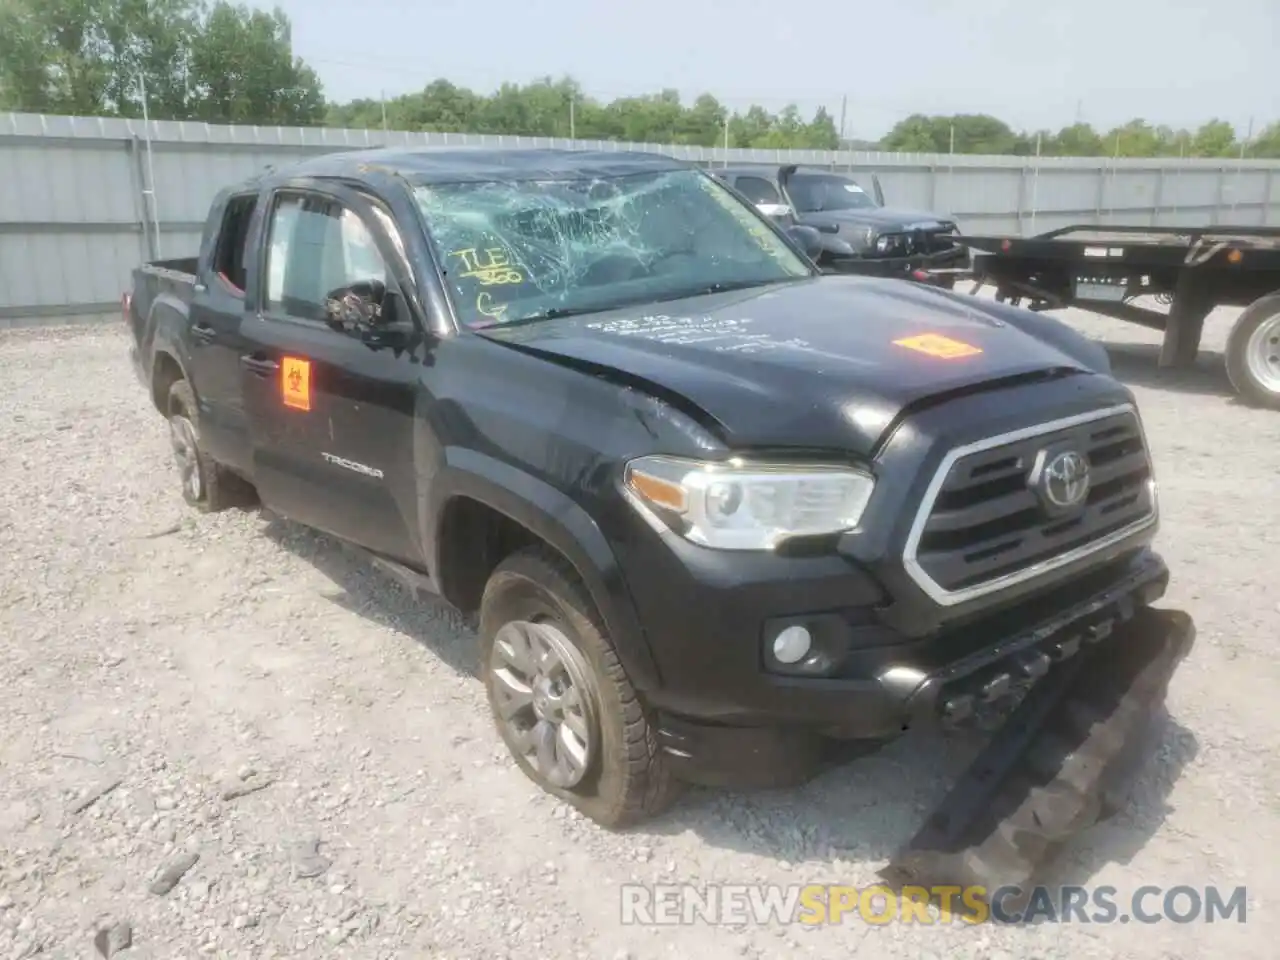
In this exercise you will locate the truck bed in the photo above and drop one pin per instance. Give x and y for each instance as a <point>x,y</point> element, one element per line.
<point>180,268</point>
<point>160,280</point>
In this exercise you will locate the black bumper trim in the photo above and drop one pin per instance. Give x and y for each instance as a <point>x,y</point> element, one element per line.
<point>907,697</point>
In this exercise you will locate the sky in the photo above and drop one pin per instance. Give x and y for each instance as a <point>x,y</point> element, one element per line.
<point>1033,63</point>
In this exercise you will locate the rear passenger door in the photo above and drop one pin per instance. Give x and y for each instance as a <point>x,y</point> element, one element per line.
<point>216,311</point>
<point>331,412</point>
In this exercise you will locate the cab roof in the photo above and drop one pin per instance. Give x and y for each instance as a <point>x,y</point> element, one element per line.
<point>433,165</point>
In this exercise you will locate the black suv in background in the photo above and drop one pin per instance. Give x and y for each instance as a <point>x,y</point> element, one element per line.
<point>855,226</point>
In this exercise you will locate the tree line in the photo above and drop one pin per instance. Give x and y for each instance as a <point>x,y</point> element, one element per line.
<point>228,63</point>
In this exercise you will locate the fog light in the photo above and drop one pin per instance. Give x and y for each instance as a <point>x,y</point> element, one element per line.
<point>792,644</point>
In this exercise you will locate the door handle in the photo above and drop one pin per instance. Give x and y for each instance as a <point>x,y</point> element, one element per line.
<point>260,366</point>
<point>204,332</point>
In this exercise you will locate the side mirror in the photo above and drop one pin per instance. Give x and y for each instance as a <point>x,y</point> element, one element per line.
<point>776,211</point>
<point>356,305</point>
<point>809,239</point>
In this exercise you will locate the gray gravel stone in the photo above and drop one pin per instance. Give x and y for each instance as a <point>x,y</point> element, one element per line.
<point>93,794</point>
<point>113,939</point>
<point>172,872</point>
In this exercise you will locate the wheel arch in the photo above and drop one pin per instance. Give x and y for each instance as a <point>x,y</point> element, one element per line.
<point>525,511</point>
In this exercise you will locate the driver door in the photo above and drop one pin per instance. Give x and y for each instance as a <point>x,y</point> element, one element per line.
<point>330,412</point>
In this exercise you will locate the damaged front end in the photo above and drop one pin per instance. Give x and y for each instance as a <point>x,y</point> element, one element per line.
<point>1064,760</point>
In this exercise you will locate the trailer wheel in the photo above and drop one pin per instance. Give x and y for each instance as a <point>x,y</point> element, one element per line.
<point>1253,353</point>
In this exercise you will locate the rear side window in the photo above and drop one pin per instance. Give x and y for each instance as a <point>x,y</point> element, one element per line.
<point>228,256</point>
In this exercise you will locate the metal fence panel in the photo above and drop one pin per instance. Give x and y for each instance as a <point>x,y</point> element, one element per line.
<point>76,213</point>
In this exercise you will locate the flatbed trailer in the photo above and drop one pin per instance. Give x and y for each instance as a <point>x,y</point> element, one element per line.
<point>1191,270</point>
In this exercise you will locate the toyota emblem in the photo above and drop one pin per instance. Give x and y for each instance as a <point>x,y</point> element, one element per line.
<point>1065,479</point>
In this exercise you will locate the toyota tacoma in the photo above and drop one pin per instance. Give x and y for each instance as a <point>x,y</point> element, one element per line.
<point>719,515</point>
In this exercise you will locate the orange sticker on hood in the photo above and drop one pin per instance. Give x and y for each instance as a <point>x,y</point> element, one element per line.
<point>936,345</point>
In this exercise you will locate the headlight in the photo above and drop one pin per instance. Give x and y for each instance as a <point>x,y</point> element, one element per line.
<point>739,506</point>
<point>885,244</point>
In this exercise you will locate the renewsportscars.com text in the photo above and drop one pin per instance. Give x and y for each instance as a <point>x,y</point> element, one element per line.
<point>825,904</point>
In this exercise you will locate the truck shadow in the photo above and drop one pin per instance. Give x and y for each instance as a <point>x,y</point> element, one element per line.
<point>1122,837</point>
<point>861,812</point>
<point>857,813</point>
<point>368,592</point>
<point>1137,364</point>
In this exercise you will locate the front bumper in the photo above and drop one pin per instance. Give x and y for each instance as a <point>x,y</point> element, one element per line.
<point>957,258</point>
<point>901,686</point>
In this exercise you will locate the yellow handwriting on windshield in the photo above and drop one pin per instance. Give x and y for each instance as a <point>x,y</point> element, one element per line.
<point>489,266</point>
<point>486,306</point>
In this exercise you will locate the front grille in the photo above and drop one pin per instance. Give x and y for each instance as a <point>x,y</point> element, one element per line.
<point>984,524</point>
<point>918,242</point>
<point>934,241</point>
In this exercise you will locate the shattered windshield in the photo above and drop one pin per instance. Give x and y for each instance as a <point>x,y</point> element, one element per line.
<point>814,193</point>
<point>521,249</point>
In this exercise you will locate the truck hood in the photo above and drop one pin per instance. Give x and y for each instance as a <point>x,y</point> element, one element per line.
<point>882,219</point>
<point>817,363</point>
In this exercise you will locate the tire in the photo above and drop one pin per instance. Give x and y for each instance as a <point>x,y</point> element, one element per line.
<point>1253,353</point>
<point>206,485</point>
<point>619,778</point>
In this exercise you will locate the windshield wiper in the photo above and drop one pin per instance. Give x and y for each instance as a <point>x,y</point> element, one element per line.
<point>722,286</point>
<point>554,313</point>
<point>551,313</point>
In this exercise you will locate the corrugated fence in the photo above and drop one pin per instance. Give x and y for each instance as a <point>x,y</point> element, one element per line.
<point>84,200</point>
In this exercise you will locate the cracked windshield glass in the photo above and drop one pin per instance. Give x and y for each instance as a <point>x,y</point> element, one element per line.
<point>519,250</point>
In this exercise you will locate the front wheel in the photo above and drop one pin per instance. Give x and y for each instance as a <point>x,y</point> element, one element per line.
<point>561,699</point>
<point>1253,353</point>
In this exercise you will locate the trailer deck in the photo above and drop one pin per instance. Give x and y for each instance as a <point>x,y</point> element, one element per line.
<point>1192,270</point>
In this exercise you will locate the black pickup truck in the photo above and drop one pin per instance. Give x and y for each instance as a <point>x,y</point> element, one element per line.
<point>717,512</point>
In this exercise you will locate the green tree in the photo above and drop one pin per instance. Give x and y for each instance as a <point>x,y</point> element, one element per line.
<point>243,70</point>
<point>971,133</point>
<point>1217,138</point>
<point>1077,140</point>
<point>90,56</point>
<point>1267,143</point>
<point>918,134</point>
<point>96,57</point>
<point>556,108</point>
<point>229,63</point>
<point>1137,138</point>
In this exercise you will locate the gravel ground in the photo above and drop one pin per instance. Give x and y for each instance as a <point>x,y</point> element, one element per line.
<point>224,736</point>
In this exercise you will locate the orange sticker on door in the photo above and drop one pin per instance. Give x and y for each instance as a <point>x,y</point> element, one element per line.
<point>295,383</point>
<point>936,345</point>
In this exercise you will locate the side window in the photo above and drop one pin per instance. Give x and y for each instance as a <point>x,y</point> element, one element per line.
<point>316,246</point>
<point>758,190</point>
<point>228,255</point>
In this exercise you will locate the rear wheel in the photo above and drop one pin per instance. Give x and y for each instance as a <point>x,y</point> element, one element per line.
<point>560,697</point>
<point>206,485</point>
<point>1253,353</point>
